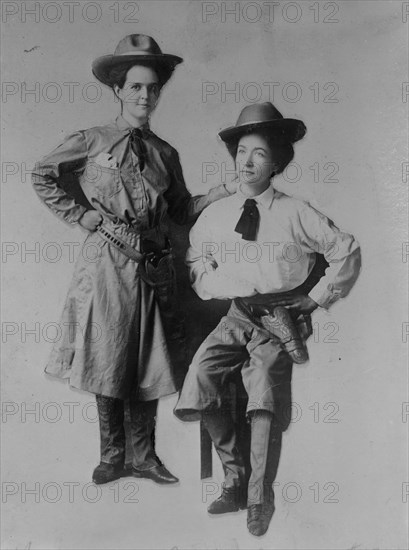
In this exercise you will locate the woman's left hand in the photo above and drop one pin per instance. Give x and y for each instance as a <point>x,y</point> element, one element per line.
<point>299,302</point>
<point>231,186</point>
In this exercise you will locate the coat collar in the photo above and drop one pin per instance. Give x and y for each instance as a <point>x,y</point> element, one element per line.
<point>124,125</point>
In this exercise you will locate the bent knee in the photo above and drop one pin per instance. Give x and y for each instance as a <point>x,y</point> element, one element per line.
<point>270,358</point>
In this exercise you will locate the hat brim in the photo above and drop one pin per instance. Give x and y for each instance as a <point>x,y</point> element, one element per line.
<point>102,66</point>
<point>285,130</point>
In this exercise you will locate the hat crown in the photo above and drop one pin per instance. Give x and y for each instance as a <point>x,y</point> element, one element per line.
<point>136,49</point>
<point>138,43</point>
<point>264,117</point>
<point>258,112</point>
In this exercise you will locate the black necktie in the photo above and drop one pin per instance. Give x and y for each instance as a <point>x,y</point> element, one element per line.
<point>249,221</point>
<point>138,146</point>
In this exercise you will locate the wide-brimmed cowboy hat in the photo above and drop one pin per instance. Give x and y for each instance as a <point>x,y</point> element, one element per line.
<point>265,117</point>
<point>132,49</point>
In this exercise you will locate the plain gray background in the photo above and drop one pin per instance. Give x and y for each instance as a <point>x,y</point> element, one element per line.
<point>343,475</point>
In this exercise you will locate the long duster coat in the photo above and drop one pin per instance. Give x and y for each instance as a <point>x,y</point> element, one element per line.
<point>117,337</point>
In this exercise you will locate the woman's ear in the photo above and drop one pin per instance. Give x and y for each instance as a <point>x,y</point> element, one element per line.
<point>275,167</point>
<point>116,89</point>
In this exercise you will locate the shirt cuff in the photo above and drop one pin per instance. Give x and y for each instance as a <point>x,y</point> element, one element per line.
<point>325,298</point>
<point>76,214</point>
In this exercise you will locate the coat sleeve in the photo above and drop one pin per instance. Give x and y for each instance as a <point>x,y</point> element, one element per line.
<point>59,170</point>
<point>182,207</point>
<point>341,251</point>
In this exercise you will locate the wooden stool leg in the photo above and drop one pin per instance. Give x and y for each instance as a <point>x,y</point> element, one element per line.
<point>243,426</point>
<point>244,434</point>
<point>206,469</point>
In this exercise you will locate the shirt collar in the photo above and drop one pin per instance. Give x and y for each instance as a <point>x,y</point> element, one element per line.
<point>124,125</point>
<point>265,199</point>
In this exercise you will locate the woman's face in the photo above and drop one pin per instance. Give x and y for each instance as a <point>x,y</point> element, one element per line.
<point>254,162</point>
<point>139,94</point>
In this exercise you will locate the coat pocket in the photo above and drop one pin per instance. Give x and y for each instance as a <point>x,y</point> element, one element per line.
<point>104,182</point>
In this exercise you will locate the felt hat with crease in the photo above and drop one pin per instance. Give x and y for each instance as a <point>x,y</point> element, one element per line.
<point>265,117</point>
<point>132,49</point>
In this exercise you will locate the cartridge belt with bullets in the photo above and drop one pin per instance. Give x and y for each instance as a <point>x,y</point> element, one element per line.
<point>154,259</point>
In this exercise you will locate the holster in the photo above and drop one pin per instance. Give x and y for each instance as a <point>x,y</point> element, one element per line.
<point>159,272</point>
<point>291,328</point>
<point>154,259</point>
<point>278,321</point>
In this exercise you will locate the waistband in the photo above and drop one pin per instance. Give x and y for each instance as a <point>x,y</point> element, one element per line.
<point>145,240</point>
<point>155,263</point>
<point>315,275</point>
<point>269,299</point>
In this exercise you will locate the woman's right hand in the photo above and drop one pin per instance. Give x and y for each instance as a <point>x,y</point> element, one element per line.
<point>210,264</point>
<point>90,220</point>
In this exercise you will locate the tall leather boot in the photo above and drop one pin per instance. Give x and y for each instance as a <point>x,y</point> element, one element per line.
<point>145,463</point>
<point>258,512</point>
<point>112,439</point>
<point>273,459</point>
<point>222,431</point>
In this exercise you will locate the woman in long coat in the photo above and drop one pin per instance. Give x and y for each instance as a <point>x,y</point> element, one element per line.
<point>121,336</point>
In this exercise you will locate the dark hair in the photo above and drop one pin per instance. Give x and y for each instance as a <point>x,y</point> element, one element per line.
<point>117,75</point>
<point>283,152</point>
